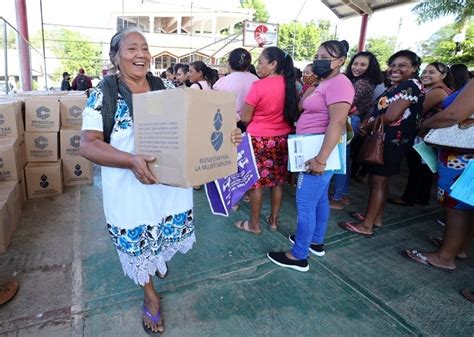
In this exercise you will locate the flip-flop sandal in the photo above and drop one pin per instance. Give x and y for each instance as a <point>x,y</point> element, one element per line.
<point>361,217</point>
<point>273,228</point>
<point>418,257</point>
<point>348,226</point>
<point>8,291</point>
<point>468,295</point>
<point>155,320</point>
<point>160,275</point>
<point>437,242</point>
<point>357,215</point>
<point>244,226</point>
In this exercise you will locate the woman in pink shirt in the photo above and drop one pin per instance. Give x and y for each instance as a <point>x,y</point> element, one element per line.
<point>325,111</point>
<point>269,111</point>
<point>239,80</point>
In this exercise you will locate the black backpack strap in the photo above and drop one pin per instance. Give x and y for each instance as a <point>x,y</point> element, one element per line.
<point>110,87</point>
<point>199,84</point>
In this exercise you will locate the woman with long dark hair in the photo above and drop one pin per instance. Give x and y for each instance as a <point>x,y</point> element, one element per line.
<point>436,79</point>
<point>269,111</point>
<point>201,76</point>
<point>325,111</point>
<point>182,75</point>
<point>364,73</point>
<point>400,106</point>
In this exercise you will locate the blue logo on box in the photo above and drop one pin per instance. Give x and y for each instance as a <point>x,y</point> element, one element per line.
<point>217,137</point>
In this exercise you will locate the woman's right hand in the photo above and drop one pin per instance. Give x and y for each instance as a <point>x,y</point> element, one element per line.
<point>139,167</point>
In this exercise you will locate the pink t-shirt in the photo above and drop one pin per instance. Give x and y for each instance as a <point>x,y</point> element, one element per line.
<point>315,117</point>
<point>267,96</point>
<point>239,83</point>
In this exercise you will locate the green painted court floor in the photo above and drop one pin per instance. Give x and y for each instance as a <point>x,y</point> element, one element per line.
<point>71,282</point>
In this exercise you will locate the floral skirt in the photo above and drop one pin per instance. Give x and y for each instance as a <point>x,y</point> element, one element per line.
<point>145,249</point>
<point>451,165</point>
<point>271,155</point>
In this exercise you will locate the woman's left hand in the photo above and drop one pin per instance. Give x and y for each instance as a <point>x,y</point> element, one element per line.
<point>313,167</point>
<point>236,137</point>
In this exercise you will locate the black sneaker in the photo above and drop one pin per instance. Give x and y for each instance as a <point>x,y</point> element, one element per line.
<point>280,259</point>
<point>315,249</point>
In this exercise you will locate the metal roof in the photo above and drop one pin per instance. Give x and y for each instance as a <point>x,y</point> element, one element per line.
<point>347,8</point>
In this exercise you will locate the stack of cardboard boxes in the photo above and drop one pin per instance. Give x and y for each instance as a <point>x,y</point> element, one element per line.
<point>43,171</point>
<point>76,170</point>
<point>52,145</point>
<point>30,162</point>
<point>12,164</point>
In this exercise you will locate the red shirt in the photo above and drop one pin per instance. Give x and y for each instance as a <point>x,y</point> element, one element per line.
<point>267,96</point>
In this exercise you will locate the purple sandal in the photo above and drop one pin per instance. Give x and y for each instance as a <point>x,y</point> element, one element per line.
<point>154,319</point>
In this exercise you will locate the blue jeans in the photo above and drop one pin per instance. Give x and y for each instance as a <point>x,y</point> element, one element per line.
<point>312,206</point>
<point>341,181</point>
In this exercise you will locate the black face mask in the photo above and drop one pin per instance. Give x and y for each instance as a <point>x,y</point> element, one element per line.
<point>321,68</point>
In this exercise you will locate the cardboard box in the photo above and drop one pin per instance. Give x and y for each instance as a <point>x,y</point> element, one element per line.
<point>10,159</point>
<point>188,132</point>
<point>11,118</point>
<point>70,140</point>
<point>22,186</point>
<point>22,142</point>
<point>77,171</point>
<point>10,212</point>
<point>43,179</point>
<point>42,113</point>
<point>71,108</point>
<point>41,146</point>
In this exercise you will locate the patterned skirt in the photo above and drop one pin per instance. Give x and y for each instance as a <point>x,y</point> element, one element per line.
<point>145,249</point>
<point>271,155</point>
<point>451,165</point>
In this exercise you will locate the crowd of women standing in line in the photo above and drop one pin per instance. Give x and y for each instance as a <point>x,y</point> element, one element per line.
<point>148,229</point>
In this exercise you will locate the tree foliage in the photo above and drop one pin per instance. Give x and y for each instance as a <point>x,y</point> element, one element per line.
<point>441,47</point>
<point>382,47</point>
<point>11,39</point>
<point>73,50</point>
<point>261,13</point>
<point>429,10</point>
<point>302,40</point>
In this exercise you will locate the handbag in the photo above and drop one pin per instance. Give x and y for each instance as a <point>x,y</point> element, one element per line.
<point>460,135</point>
<point>371,151</point>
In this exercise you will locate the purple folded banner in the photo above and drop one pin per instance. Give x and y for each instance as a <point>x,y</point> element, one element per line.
<point>224,193</point>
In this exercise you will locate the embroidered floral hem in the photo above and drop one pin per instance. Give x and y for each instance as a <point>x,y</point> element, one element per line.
<point>144,249</point>
<point>140,268</point>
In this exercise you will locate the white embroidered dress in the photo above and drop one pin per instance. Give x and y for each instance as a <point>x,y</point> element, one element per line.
<point>148,223</point>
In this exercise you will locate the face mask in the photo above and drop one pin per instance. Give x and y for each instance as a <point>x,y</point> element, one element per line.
<point>322,68</point>
<point>309,80</point>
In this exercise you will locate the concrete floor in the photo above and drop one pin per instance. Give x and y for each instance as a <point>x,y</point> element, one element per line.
<point>71,282</point>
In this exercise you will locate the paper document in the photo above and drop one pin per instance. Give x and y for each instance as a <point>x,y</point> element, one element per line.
<point>428,155</point>
<point>302,148</point>
<point>463,188</point>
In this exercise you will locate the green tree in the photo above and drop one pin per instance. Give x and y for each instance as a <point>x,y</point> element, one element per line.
<point>302,40</point>
<point>429,10</point>
<point>11,39</point>
<point>382,47</point>
<point>73,50</point>
<point>441,47</point>
<point>261,13</point>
